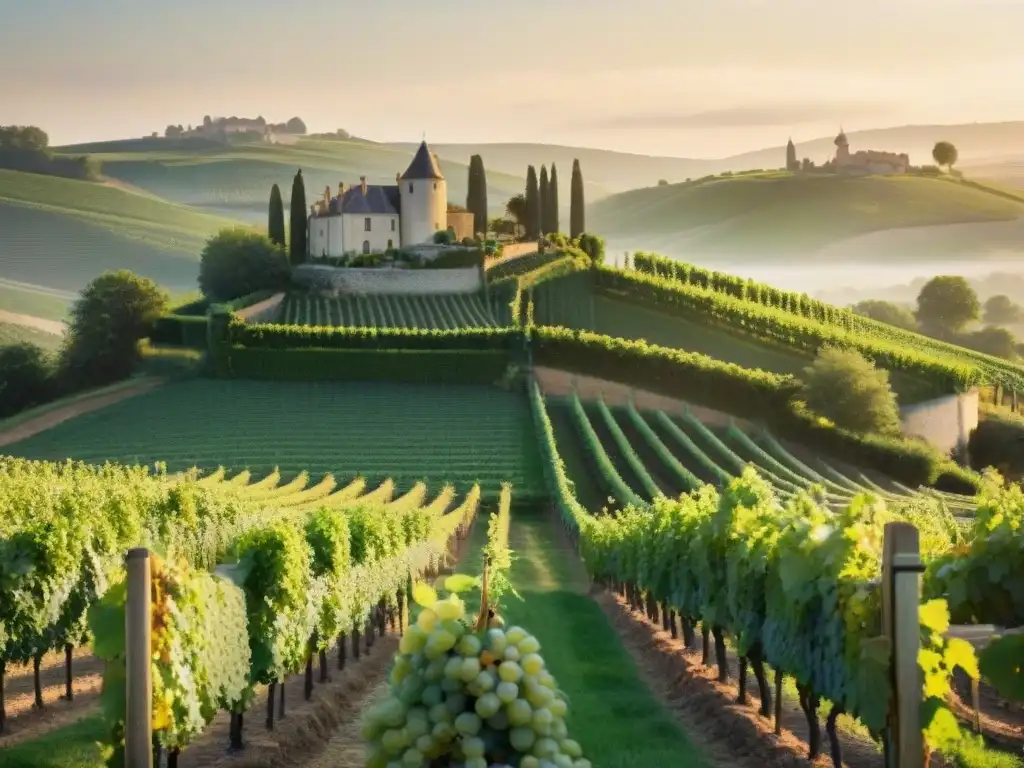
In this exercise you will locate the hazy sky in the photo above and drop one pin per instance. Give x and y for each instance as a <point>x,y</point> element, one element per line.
<point>692,78</point>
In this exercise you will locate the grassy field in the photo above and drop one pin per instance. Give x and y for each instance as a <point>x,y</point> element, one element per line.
<point>58,234</point>
<point>11,333</point>
<point>234,180</point>
<point>390,311</point>
<point>778,212</point>
<point>409,433</point>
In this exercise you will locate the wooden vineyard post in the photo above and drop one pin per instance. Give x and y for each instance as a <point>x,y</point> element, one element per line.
<point>138,644</point>
<point>901,596</point>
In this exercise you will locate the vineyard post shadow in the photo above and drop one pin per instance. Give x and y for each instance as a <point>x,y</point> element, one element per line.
<point>138,652</point>
<point>901,596</point>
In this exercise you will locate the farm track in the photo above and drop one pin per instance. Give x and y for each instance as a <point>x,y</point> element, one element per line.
<point>52,418</point>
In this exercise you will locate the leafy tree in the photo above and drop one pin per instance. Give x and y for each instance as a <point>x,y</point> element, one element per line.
<point>593,246</point>
<point>236,262</point>
<point>553,216</point>
<point>944,153</point>
<point>532,205</point>
<point>476,197</point>
<point>27,138</point>
<point>992,340</point>
<point>946,304</point>
<point>662,182</point>
<point>275,224</point>
<point>517,209</point>
<point>543,198</point>
<point>26,378</point>
<point>886,312</point>
<point>298,248</point>
<point>1000,310</point>
<point>295,125</point>
<point>849,391</point>
<point>113,313</point>
<point>577,214</point>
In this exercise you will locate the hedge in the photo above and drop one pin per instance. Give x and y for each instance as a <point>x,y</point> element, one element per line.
<point>180,331</point>
<point>277,336</point>
<point>402,365</point>
<point>751,393</point>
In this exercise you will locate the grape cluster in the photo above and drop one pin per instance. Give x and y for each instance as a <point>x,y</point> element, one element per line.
<point>479,699</point>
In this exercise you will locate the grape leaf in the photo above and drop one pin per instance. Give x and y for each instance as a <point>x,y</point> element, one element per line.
<point>1002,663</point>
<point>960,653</point>
<point>460,582</point>
<point>423,595</point>
<point>935,615</point>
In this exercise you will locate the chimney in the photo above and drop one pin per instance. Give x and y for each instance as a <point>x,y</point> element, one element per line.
<point>341,189</point>
<point>327,195</point>
<point>362,183</point>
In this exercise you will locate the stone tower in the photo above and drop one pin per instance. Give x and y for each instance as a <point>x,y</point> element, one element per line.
<point>424,196</point>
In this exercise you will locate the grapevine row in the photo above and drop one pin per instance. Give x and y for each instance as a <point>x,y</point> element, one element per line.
<point>442,312</point>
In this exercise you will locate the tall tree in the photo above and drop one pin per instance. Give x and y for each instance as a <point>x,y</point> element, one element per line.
<point>532,204</point>
<point>577,216</point>
<point>297,250</point>
<point>553,200</point>
<point>544,212</point>
<point>792,164</point>
<point>275,222</point>
<point>946,304</point>
<point>944,153</point>
<point>515,209</point>
<point>476,197</point>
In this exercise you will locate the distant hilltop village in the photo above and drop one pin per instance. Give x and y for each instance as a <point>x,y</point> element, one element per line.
<point>864,162</point>
<point>223,127</point>
<point>372,218</point>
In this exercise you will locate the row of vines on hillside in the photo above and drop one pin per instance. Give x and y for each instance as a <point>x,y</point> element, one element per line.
<point>796,587</point>
<point>288,583</point>
<point>994,370</point>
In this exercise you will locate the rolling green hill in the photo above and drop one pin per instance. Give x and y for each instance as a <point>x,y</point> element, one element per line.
<point>57,234</point>
<point>235,179</point>
<point>782,213</point>
<point>11,333</point>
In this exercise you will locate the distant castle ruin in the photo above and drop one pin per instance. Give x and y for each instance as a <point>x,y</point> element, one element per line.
<point>864,162</point>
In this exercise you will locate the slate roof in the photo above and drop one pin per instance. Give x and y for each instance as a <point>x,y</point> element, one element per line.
<point>378,199</point>
<point>423,165</point>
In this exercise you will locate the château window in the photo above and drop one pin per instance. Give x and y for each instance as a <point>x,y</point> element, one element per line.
<point>366,246</point>
<point>410,187</point>
<point>366,224</point>
<point>392,225</point>
<point>390,245</point>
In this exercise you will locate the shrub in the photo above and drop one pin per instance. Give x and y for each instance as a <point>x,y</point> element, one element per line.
<point>847,389</point>
<point>593,246</point>
<point>886,312</point>
<point>239,261</point>
<point>444,237</point>
<point>27,378</point>
<point>998,441</point>
<point>455,259</point>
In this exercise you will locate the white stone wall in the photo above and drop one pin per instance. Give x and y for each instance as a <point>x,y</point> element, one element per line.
<point>424,209</point>
<point>266,311</point>
<point>386,280</point>
<point>946,422</point>
<point>338,235</point>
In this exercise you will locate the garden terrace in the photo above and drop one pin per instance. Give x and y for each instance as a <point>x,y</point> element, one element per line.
<point>425,311</point>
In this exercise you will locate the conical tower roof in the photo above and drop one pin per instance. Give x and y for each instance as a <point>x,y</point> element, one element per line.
<point>423,165</point>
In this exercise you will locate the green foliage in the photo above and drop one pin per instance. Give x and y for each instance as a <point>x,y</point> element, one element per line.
<point>593,246</point>
<point>498,554</point>
<point>1002,662</point>
<point>275,218</point>
<point>442,311</point>
<point>476,195</point>
<point>886,312</point>
<point>27,378</point>
<point>998,441</point>
<point>577,210</point>
<point>532,222</point>
<point>517,209</point>
<point>552,202</point>
<point>946,304</point>
<point>444,237</point>
<point>272,336</point>
<point>620,490</point>
<point>114,312</point>
<point>297,247</point>
<point>542,200</point>
<point>945,153</point>
<point>457,258</point>
<point>237,262</point>
<point>991,340</point>
<point>846,389</point>
<point>1000,310</point>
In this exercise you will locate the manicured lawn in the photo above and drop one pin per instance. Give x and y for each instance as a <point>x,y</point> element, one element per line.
<point>73,746</point>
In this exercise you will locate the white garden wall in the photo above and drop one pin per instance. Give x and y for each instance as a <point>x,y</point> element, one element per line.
<point>946,422</point>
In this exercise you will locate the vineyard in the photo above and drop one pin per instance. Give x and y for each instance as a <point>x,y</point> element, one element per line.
<point>458,434</point>
<point>441,312</point>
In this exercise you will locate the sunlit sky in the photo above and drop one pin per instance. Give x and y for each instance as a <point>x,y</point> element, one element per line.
<point>691,78</point>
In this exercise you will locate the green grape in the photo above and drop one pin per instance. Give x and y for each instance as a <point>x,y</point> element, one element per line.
<point>456,702</point>
<point>498,721</point>
<point>390,712</point>
<point>521,739</point>
<point>497,642</point>
<point>528,644</point>
<point>546,679</point>
<point>371,729</point>
<point>451,685</point>
<point>439,713</point>
<point>426,620</point>
<point>476,762</point>
<point>563,761</point>
<point>507,692</point>
<point>488,705</point>
<point>413,758</point>
<point>395,740</point>
<point>532,663</point>
<point>453,668</point>
<point>486,680</point>
<point>468,724</point>
<point>510,671</point>
<point>515,634</point>
<point>529,761</point>
<point>473,746</point>
<point>426,744</point>
<point>470,669</point>
<point>417,726</point>
<point>439,643</point>
<point>511,653</point>
<point>538,696</point>
<point>443,732</point>
<point>545,748</point>
<point>450,608</point>
<point>377,757</point>
<point>413,641</point>
<point>542,721</point>
<point>559,730</point>
<point>469,645</point>
<point>520,712</point>
<point>434,670</point>
<point>571,748</point>
<point>581,763</point>
<point>558,707</point>
<point>432,695</point>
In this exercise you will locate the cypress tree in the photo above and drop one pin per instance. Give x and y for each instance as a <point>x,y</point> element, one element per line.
<point>544,212</point>
<point>476,196</point>
<point>532,204</point>
<point>553,223</point>
<point>297,251</point>
<point>792,164</point>
<point>275,222</point>
<point>577,216</point>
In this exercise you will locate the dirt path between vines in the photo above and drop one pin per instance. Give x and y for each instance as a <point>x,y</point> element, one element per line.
<point>44,421</point>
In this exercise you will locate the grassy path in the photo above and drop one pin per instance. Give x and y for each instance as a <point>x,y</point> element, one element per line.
<point>612,712</point>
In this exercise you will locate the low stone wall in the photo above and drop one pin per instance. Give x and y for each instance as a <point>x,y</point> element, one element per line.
<point>560,383</point>
<point>515,250</point>
<point>266,311</point>
<point>387,280</point>
<point>946,422</point>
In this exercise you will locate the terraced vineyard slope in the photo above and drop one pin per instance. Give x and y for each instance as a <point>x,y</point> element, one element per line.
<point>430,311</point>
